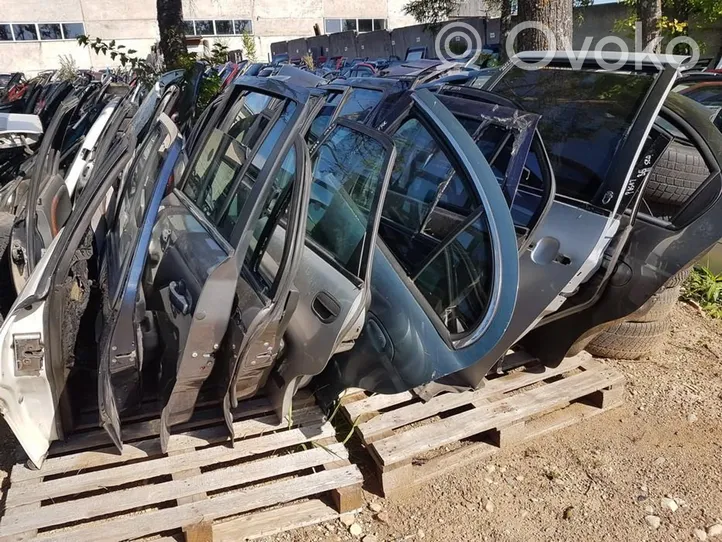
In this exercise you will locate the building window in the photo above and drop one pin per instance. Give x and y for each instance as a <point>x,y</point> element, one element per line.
<point>361,25</point>
<point>365,25</point>
<point>73,30</point>
<point>243,26</point>
<point>25,32</point>
<point>50,31</point>
<point>218,27</point>
<point>224,28</point>
<point>40,31</point>
<point>333,26</point>
<point>204,28</point>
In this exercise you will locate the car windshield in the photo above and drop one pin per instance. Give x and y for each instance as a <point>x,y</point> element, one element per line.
<point>4,79</point>
<point>585,115</point>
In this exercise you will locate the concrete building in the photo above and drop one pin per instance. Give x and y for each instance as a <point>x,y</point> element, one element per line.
<point>35,33</point>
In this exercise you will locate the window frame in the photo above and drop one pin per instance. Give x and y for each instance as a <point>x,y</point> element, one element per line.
<point>38,36</point>
<point>376,206</point>
<point>450,338</point>
<point>236,28</point>
<point>342,20</point>
<point>60,31</point>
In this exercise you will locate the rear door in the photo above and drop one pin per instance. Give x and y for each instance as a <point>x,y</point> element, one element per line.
<point>350,168</point>
<point>200,251</point>
<point>129,228</point>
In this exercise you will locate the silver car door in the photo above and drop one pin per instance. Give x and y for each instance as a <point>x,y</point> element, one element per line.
<point>350,171</point>
<point>34,370</point>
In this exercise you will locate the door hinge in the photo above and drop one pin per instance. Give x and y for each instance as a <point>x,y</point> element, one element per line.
<point>29,354</point>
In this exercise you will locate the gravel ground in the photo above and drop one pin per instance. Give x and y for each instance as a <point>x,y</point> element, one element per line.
<point>614,477</point>
<point>649,470</point>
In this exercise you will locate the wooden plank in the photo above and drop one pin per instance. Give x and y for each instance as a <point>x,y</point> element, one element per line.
<point>151,428</point>
<point>109,456</point>
<point>448,401</point>
<point>235,502</point>
<point>376,403</point>
<point>147,495</point>
<point>274,521</point>
<point>124,474</point>
<point>429,437</point>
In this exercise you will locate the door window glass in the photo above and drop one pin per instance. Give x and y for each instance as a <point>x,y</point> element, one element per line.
<point>347,176</point>
<point>320,123</point>
<point>243,189</point>
<point>585,115</point>
<point>458,281</point>
<point>133,202</point>
<point>267,231</point>
<point>224,157</point>
<point>360,104</point>
<point>425,191</point>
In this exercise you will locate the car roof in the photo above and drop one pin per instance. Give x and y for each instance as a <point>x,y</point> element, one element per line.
<point>645,59</point>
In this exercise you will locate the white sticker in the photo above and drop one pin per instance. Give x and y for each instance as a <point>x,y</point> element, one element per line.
<point>362,47</point>
<point>393,42</point>
<point>418,39</point>
<point>345,49</point>
<point>492,34</point>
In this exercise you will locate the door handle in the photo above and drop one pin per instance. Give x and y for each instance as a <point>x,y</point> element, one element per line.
<point>177,295</point>
<point>325,307</point>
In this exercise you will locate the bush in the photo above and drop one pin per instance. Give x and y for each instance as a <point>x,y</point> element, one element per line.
<point>705,289</point>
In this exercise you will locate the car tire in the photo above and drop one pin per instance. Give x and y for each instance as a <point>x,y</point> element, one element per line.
<point>629,340</point>
<point>679,172</point>
<point>679,279</point>
<point>657,307</point>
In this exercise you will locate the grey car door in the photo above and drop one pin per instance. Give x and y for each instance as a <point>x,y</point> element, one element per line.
<point>212,305</point>
<point>350,168</point>
<point>129,230</point>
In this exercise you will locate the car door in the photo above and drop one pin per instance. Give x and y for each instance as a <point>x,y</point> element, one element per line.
<point>129,227</point>
<point>180,299</point>
<point>43,322</point>
<point>444,290</point>
<point>350,169</point>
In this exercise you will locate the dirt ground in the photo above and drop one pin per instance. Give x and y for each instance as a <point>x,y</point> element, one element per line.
<point>603,479</point>
<point>598,480</point>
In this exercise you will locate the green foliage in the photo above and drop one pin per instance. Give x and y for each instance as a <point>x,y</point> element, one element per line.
<point>127,57</point>
<point>431,11</point>
<point>249,47</point>
<point>705,288</point>
<point>307,59</point>
<point>68,68</point>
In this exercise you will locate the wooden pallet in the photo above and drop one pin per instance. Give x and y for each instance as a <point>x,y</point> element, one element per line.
<point>273,478</point>
<point>401,432</point>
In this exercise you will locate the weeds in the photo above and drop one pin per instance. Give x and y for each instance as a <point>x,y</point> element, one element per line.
<point>705,289</point>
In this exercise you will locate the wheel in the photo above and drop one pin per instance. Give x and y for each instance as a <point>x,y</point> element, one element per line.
<point>679,279</point>
<point>657,307</point>
<point>679,172</point>
<point>629,340</point>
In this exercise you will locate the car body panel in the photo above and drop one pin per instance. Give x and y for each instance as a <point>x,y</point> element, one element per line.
<point>120,348</point>
<point>655,251</point>
<point>401,346</point>
<point>33,372</point>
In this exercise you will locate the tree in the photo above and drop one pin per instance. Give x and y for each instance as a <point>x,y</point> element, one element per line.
<point>649,12</point>
<point>554,15</point>
<point>172,32</point>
